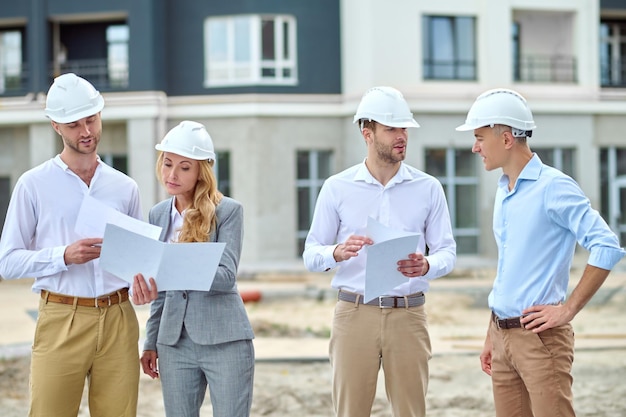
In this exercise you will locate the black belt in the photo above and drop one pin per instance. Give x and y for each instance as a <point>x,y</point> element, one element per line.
<point>411,300</point>
<point>510,323</point>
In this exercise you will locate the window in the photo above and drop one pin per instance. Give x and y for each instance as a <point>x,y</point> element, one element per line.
<point>222,172</point>
<point>613,189</point>
<point>560,158</point>
<point>456,170</point>
<point>449,48</point>
<point>10,60</point>
<point>250,50</point>
<point>517,76</point>
<point>613,53</point>
<point>5,196</point>
<point>117,40</point>
<point>119,162</point>
<point>313,167</point>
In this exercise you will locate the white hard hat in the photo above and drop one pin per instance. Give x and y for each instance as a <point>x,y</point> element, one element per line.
<point>387,106</point>
<point>499,106</point>
<point>71,98</point>
<point>188,139</point>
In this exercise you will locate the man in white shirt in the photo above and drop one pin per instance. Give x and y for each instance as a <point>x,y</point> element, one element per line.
<point>391,330</point>
<point>86,328</point>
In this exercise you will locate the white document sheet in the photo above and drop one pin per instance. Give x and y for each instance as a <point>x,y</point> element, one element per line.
<point>174,266</point>
<point>381,269</point>
<point>94,216</point>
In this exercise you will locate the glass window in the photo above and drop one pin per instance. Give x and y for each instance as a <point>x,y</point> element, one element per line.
<point>613,189</point>
<point>119,162</point>
<point>515,31</point>
<point>449,47</point>
<point>456,169</point>
<point>222,172</point>
<point>117,59</point>
<point>313,167</point>
<point>10,60</point>
<point>250,50</point>
<point>5,196</point>
<point>560,158</point>
<point>613,53</point>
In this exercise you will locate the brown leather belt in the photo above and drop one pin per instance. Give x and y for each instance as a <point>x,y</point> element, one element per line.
<point>510,323</point>
<point>116,297</point>
<point>411,300</point>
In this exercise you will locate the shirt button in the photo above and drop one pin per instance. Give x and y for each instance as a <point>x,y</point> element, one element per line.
<point>185,295</point>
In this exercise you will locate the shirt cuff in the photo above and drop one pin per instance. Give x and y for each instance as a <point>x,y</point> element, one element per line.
<point>605,258</point>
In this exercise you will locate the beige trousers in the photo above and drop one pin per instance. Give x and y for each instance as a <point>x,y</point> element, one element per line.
<point>531,373</point>
<point>363,339</point>
<point>73,343</point>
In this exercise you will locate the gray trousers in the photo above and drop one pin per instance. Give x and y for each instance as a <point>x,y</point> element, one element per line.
<point>187,368</point>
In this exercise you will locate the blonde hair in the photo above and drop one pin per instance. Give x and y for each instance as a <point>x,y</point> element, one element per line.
<point>200,219</point>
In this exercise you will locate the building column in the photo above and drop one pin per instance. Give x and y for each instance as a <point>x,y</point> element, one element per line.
<point>42,143</point>
<point>142,135</point>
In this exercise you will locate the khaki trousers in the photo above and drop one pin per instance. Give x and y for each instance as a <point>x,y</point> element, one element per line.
<point>364,338</point>
<point>531,373</point>
<point>72,343</point>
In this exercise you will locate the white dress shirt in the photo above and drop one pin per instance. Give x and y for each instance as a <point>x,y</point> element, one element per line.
<point>40,224</point>
<point>411,201</point>
<point>176,223</point>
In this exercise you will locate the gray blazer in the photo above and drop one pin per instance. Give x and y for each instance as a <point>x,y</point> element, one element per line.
<point>210,317</point>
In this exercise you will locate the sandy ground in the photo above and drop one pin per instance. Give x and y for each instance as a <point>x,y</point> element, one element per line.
<point>292,323</point>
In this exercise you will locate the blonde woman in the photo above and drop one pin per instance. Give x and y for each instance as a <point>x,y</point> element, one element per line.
<point>198,338</point>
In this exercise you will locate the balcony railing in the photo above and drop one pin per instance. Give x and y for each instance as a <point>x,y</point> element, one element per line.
<point>97,71</point>
<point>545,68</point>
<point>14,80</point>
<point>452,69</point>
<point>613,73</point>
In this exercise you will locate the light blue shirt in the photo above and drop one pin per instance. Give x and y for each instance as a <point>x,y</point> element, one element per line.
<point>536,226</point>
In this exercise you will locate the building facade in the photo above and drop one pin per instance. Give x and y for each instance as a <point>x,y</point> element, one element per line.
<point>276,82</point>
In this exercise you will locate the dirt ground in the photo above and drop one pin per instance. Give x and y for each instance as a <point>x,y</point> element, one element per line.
<point>300,386</point>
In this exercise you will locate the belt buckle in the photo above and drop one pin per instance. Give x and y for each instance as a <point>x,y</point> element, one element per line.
<point>380,303</point>
<point>98,299</point>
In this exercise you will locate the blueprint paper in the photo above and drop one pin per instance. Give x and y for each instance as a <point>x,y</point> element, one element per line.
<point>381,269</point>
<point>94,215</point>
<point>174,266</point>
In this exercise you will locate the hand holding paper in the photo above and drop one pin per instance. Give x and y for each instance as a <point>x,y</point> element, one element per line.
<point>390,246</point>
<point>144,292</point>
<point>174,266</point>
<point>95,215</point>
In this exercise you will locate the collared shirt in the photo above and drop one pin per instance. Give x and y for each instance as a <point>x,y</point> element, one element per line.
<point>536,226</point>
<point>40,224</point>
<point>176,223</point>
<point>412,201</point>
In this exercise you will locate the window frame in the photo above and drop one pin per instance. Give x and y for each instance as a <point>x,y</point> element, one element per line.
<point>457,65</point>
<point>450,180</point>
<point>285,60</point>
<point>8,81</point>
<point>312,184</point>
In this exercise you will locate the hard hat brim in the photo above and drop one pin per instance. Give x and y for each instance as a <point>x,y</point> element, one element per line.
<point>77,116</point>
<point>465,127</point>
<point>206,156</point>
<point>403,124</point>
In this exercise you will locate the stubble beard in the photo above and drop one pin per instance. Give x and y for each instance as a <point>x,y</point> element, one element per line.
<point>76,147</point>
<point>385,154</point>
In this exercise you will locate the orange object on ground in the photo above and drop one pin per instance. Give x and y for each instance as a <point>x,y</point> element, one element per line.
<point>250,296</point>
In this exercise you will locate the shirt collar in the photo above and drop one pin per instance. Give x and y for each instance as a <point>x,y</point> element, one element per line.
<point>57,160</point>
<point>363,174</point>
<point>531,172</point>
